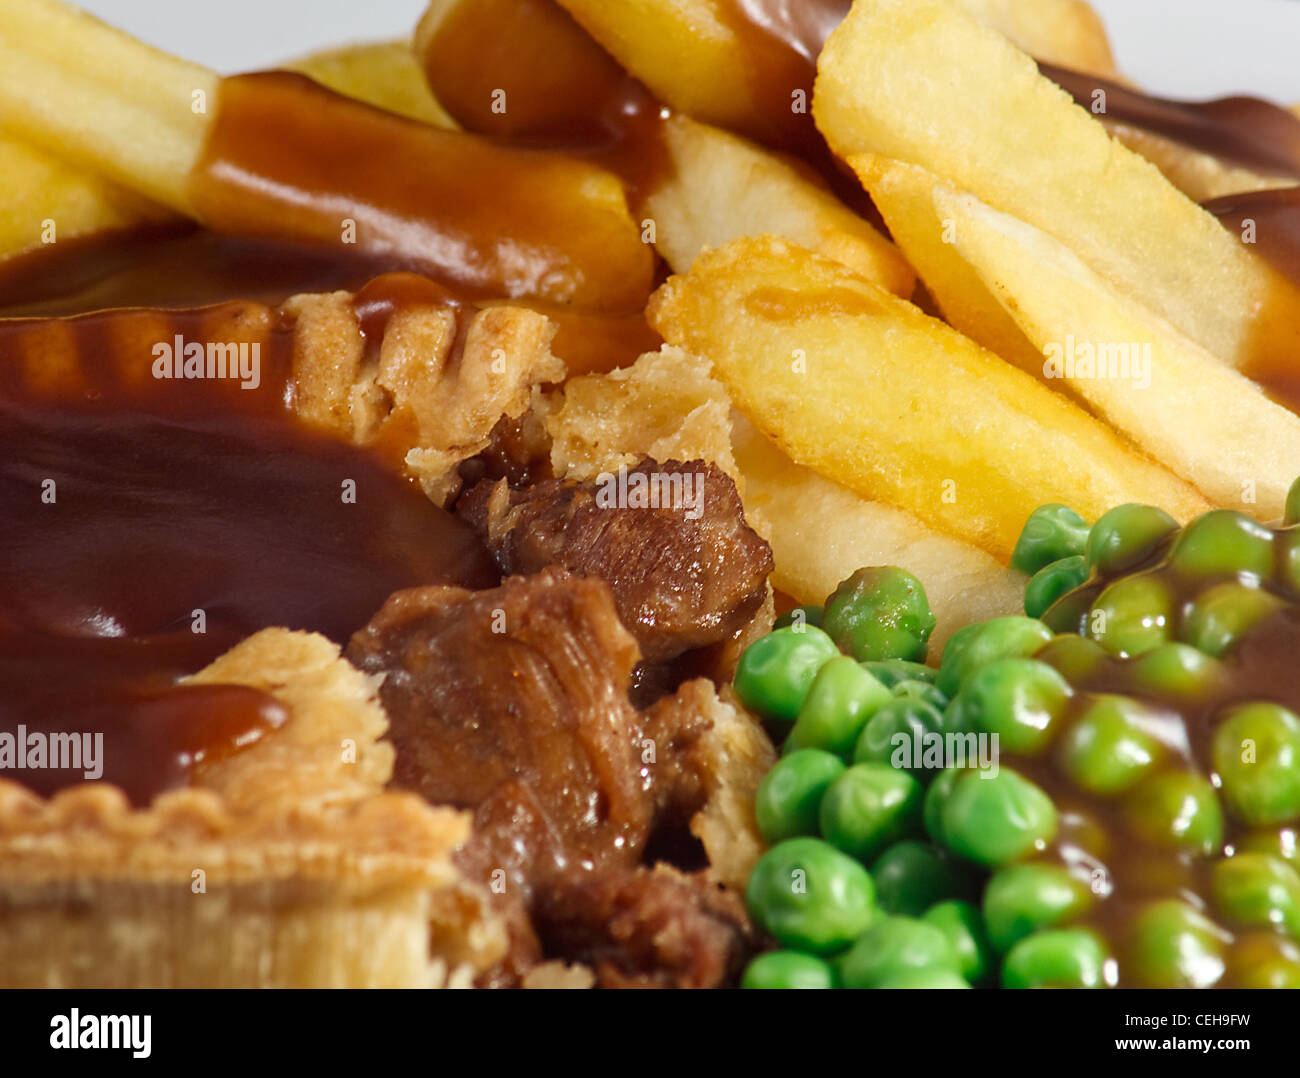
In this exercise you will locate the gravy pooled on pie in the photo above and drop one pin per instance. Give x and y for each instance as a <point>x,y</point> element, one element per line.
<point>154,512</point>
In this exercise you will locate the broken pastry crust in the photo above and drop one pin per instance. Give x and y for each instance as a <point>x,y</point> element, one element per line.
<point>439,381</point>
<point>287,865</point>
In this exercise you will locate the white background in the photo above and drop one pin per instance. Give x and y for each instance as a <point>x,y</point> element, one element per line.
<point>1178,47</point>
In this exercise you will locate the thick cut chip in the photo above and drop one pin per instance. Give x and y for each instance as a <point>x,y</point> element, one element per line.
<point>669,406</point>
<point>1205,422</point>
<point>746,65</point>
<point>994,126</point>
<point>43,200</point>
<point>720,187</point>
<point>904,195</point>
<point>384,73</point>
<point>1067,33</point>
<point>821,533</point>
<point>865,389</point>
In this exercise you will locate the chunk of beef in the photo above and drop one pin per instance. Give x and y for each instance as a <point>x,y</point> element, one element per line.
<point>518,451</point>
<point>671,540</point>
<point>517,695</point>
<point>513,703</point>
<point>643,928</point>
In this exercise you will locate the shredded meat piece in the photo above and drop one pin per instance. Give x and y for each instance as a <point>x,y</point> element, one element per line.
<point>684,576</point>
<point>640,928</point>
<point>513,703</point>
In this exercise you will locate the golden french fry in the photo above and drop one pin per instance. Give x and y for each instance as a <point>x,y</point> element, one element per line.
<point>1068,33</point>
<point>863,388</point>
<point>709,59</point>
<point>1174,400</point>
<point>385,74</point>
<point>112,105</point>
<point>670,407</point>
<point>904,195</point>
<point>1200,176</point>
<point>720,186</point>
<point>689,52</point>
<point>45,200</point>
<point>821,533</point>
<point>995,127</point>
<point>101,100</point>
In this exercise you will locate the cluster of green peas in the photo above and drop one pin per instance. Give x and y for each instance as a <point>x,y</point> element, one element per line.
<point>854,893</point>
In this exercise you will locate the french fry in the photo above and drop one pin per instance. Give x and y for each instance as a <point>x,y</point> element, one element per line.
<point>669,406</point>
<point>687,51</point>
<point>719,186</point>
<point>44,200</point>
<point>1174,400</point>
<point>109,104</point>
<point>866,390</point>
<point>704,57</point>
<point>1068,33</point>
<point>101,100</point>
<point>995,127</point>
<point>821,533</point>
<point>384,73</point>
<point>905,198</point>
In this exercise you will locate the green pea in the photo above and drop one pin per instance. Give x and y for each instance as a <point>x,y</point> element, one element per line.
<point>1022,899</point>
<point>1053,581</point>
<point>880,613</point>
<point>936,798</point>
<point>1176,946</point>
<point>898,735</point>
<point>1132,615</point>
<point>890,672</point>
<point>1258,890</point>
<point>912,876</point>
<point>842,698</point>
<point>931,978</point>
<point>1177,670</point>
<point>1287,542</point>
<point>1264,960</point>
<point>1256,753</point>
<point>1070,613</point>
<point>810,897</point>
<point>1125,537</point>
<point>1105,750</point>
<point>1063,958</point>
<point>1220,616</point>
<point>777,670</point>
<point>1293,504</point>
<point>1279,843</point>
<point>868,807</point>
<point>962,924</point>
<point>921,690</point>
<point>799,617</point>
<point>788,969</point>
<point>996,817</point>
<point>1017,699</point>
<point>1076,658</point>
<point>894,945</point>
<point>1051,533</point>
<point>985,642</point>
<point>1221,542</point>
<point>1177,809</point>
<point>790,796</point>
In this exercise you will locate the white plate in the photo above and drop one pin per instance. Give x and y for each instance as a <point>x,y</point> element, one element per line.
<point>1193,48</point>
